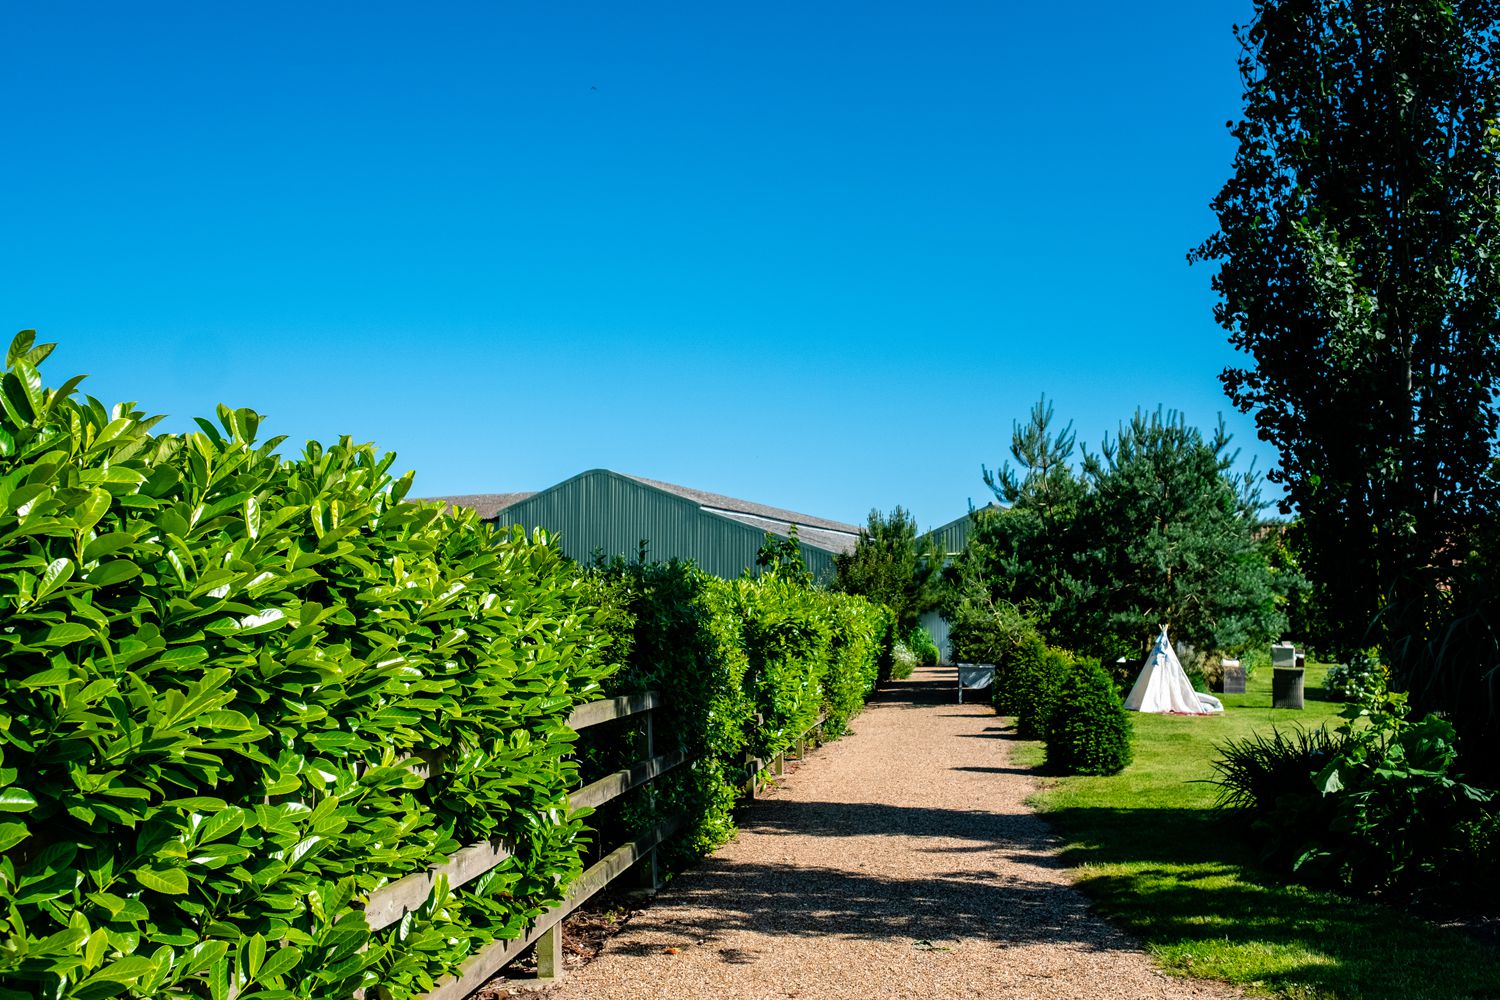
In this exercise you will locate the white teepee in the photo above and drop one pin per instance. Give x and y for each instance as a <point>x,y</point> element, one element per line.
<point>1164,686</point>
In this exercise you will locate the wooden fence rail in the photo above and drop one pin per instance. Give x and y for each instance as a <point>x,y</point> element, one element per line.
<point>390,903</point>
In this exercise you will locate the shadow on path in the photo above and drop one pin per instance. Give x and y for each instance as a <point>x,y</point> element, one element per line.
<point>964,904</point>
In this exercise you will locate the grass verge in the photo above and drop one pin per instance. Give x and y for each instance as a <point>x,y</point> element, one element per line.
<point>1161,862</point>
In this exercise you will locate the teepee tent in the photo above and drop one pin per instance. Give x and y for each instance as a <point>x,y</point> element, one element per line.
<point>1164,686</point>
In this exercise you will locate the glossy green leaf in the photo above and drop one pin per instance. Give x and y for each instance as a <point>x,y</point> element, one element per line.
<point>112,572</point>
<point>172,881</point>
<point>16,800</point>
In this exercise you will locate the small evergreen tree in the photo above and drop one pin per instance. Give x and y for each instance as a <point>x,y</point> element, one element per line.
<point>1089,732</point>
<point>891,565</point>
<point>1032,684</point>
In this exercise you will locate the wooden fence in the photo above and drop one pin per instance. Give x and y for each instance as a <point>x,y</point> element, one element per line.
<point>390,903</point>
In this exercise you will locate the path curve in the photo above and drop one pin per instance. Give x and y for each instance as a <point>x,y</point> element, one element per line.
<point>900,861</point>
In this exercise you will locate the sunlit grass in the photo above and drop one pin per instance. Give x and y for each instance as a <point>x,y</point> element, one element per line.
<point>1158,859</point>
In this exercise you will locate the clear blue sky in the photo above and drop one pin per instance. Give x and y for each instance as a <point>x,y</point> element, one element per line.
<point>815,255</point>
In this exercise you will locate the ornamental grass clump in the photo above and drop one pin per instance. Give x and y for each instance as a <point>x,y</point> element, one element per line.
<point>1089,732</point>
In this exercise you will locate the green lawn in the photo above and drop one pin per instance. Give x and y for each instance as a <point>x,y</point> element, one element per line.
<point>1160,861</point>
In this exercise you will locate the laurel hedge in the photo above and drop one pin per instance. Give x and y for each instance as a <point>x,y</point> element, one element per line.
<point>746,666</point>
<point>219,662</point>
<point>216,660</point>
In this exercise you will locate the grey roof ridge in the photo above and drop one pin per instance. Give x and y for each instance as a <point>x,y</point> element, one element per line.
<point>720,503</point>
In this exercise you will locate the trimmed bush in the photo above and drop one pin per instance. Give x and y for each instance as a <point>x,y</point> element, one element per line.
<point>1029,685</point>
<point>216,662</point>
<point>1089,732</point>
<point>723,651</point>
<point>219,664</point>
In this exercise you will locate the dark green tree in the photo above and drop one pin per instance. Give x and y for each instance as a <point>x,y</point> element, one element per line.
<point>1155,528</point>
<point>890,564</point>
<point>1168,533</point>
<point>1358,246</point>
<point>1023,553</point>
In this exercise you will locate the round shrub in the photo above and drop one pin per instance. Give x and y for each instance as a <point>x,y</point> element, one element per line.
<point>1030,683</point>
<point>1089,732</point>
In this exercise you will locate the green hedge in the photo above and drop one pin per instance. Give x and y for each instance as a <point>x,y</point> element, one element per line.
<point>219,660</point>
<point>1089,731</point>
<point>726,651</point>
<point>215,661</point>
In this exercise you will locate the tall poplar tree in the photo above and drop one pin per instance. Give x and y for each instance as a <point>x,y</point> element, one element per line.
<point>1359,253</point>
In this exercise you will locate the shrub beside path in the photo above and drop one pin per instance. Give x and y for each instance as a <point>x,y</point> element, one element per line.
<point>901,861</point>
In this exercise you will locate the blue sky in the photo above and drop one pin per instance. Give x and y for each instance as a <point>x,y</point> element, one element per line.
<point>815,255</point>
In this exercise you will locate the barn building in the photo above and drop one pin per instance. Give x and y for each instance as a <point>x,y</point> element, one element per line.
<point>951,539</point>
<point>611,513</point>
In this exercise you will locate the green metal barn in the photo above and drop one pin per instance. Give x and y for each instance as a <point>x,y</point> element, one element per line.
<point>613,513</point>
<point>951,539</point>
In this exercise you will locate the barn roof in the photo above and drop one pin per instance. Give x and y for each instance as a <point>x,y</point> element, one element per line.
<point>819,532</point>
<point>486,505</point>
<point>834,536</point>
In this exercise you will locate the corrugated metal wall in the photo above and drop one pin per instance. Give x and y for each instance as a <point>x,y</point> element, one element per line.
<point>955,534</point>
<point>937,627</point>
<point>602,511</point>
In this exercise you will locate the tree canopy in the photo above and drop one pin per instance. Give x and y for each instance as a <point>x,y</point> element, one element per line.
<point>1155,528</point>
<point>1359,270</point>
<point>891,565</point>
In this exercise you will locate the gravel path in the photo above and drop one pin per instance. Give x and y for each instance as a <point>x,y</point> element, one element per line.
<point>900,861</point>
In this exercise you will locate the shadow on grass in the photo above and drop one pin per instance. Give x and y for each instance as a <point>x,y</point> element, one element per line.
<point>1186,882</point>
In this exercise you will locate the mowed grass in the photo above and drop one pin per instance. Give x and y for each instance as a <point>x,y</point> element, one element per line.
<point>1159,860</point>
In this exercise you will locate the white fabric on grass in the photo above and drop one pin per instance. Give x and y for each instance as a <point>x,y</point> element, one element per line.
<point>1164,686</point>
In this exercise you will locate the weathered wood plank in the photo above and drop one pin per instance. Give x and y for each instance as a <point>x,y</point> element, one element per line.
<point>390,903</point>
<point>491,959</point>
<point>612,786</point>
<point>604,710</point>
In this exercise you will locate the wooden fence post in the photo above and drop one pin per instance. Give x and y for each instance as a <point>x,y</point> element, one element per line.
<point>549,954</point>
<point>648,875</point>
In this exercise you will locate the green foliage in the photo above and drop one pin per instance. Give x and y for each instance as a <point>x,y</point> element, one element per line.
<point>687,644</point>
<point>1400,809</point>
<point>1378,806</point>
<point>920,642</point>
<point>782,555</point>
<point>890,566</point>
<point>1154,528</point>
<point>1358,244</point>
<point>216,662</point>
<point>1029,684</point>
<point>982,631</point>
<point>1089,732</point>
<point>723,652</point>
<point>1363,680</point>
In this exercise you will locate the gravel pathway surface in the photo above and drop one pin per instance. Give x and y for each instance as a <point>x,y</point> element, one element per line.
<point>900,861</point>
